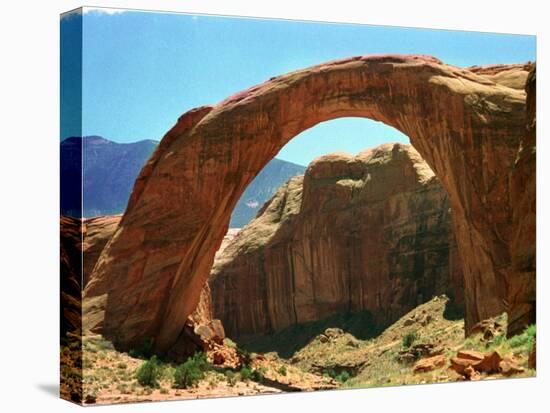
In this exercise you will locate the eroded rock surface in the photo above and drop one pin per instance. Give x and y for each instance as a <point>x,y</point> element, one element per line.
<point>521,297</point>
<point>70,236</point>
<point>371,232</point>
<point>82,241</point>
<point>96,232</point>
<point>466,126</point>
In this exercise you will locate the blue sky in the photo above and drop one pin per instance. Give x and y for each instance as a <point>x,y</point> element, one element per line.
<point>142,70</point>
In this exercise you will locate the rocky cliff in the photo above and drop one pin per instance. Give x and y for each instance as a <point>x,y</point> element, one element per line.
<point>82,242</point>
<point>467,125</point>
<point>371,232</point>
<point>521,283</point>
<point>96,232</point>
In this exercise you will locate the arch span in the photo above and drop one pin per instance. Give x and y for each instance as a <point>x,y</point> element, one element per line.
<point>463,123</point>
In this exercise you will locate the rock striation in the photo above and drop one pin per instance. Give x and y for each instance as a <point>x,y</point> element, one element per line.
<point>70,253</point>
<point>96,232</point>
<point>367,232</point>
<point>82,241</point>
<point>466,126</point>
<point>521,281</point>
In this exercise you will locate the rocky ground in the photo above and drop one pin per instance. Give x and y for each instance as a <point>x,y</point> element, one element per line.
<point>422,347</point>
<point>110,376</point>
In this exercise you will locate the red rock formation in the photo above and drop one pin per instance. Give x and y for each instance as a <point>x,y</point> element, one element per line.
<point>521,283</point>
<point>81,244</point>
<point>466,126</point>
<point>371,232</point>
<point>82,241</point>
<point>70,274</point>
<point>513,76</point>
<point>96,232</point>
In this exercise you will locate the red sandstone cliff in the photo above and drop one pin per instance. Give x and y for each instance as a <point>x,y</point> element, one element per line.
<point>521,283</point>
<point>371,232</point>
<point>82,242</point>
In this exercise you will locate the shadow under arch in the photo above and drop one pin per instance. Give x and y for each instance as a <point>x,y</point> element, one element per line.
<point>149,277</point>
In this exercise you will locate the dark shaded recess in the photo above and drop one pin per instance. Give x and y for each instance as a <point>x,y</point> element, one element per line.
<point>291,339</point>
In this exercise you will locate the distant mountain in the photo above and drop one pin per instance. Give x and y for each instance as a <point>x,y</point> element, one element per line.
<point>274,174</point>
<point>111,168</point>
<point>109,172</point>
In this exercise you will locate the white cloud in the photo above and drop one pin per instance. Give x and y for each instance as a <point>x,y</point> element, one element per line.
<point>92,10</point>
<point>101,10</point>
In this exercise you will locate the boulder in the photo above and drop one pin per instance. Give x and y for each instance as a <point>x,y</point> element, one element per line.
<point>470,355</point>
<point>509,366</point>
<point>429,364</point>
<point>490,363</point>
<point>467,361</point>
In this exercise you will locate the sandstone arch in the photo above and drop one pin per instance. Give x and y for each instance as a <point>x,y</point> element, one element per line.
<point>466,124</point>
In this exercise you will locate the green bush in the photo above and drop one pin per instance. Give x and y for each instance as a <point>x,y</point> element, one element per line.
<point>343,376</point>
<point>192,371</point>
<point>282,370</point>
<point>149,373</point>
<point>527,338</point>
<point>231,377</point>
<point>246,373</point>
<point>409,339</point>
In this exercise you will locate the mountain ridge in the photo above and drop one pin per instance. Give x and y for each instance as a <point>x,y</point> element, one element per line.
<point>97,177</point>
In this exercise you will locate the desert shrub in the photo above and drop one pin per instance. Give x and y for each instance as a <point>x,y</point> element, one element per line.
<point>103,344</point>
<point>148,373</point>
<point>343,376</point>
<point>282,370</point>
<point>409,339</point>
<point>231,377</point>
<point>246,373</point>
<point>192,371</point>
<point>527,338</point>
<point>498,340</point>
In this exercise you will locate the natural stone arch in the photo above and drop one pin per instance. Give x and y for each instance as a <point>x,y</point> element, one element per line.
<point>467,127</point>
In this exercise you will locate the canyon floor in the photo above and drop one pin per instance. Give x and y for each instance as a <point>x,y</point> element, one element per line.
<point>421,347</point>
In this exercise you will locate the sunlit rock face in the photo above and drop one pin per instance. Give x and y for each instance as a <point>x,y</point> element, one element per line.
<point>371,232</point>
<point>466,124</point>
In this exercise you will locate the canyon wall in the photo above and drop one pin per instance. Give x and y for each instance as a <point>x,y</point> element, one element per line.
<point>466,123</point>
<point>521,298</point>
<point>371,232</point>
